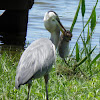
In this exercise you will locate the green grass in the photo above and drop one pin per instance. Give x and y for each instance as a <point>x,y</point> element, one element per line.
<point>78,81</point>
<point>63,84</point>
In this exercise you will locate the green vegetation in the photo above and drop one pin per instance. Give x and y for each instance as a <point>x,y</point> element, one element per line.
<point>83,54</point>
<point>63,83</point>
<point>77,80</point>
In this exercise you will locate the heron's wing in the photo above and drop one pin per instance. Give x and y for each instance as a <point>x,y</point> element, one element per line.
<point>38,57</point>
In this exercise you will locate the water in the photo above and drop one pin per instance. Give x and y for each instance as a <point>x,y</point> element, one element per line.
<point>66,10</point>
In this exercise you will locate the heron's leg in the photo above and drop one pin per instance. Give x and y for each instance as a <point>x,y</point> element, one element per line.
<point>46,85</point>
<point>29,85</point>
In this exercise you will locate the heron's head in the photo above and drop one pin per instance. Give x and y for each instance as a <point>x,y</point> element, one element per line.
<point>52,22</point>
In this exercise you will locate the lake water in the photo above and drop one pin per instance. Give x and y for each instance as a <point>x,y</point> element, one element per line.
<point>66,10</point>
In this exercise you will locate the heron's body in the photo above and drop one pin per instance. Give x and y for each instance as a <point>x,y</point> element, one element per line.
<point>36,61</point>
<point>38,58</point>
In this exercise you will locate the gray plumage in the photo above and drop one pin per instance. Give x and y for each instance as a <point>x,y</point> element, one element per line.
<point>34,63</point>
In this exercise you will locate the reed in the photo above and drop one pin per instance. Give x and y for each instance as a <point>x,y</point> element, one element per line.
<point>83,54</point>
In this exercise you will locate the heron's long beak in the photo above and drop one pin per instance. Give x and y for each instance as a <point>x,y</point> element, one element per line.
<point>62,29</point>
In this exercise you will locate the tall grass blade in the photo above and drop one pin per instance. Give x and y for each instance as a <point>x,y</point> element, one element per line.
<point>84,45</point>
<point>84,27</point>
<point>83,8</point>
<point>84,59</point>
<point>94,60</point>
<point>90,16</point>
<point>77,52</point>
<point>93,20</point>
<point>86,52</point>
<point>88,36</point>
<point>83,13</point>
<point>75,17</point>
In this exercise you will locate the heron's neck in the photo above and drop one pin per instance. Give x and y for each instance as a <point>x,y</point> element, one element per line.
<point>55,38</point>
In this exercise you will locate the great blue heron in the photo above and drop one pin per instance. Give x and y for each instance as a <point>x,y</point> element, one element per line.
<point>37,59</point>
